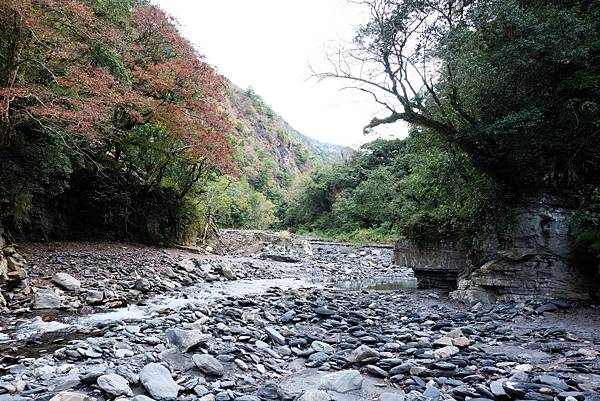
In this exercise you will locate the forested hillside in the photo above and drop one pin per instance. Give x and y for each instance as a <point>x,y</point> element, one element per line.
<point>113,126</point>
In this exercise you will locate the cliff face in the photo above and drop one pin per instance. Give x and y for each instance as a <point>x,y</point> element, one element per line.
<point>534,258</point>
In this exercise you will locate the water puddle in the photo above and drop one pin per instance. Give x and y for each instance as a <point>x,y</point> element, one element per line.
<point>380,283</point>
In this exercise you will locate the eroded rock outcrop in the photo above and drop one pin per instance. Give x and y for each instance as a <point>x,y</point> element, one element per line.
<point>13,274</point>
<point>435,265</point>
<point>533,257</point>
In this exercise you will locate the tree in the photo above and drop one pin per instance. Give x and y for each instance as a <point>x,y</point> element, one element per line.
<point>513,83</point>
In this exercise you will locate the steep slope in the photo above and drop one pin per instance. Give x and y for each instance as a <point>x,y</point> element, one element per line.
<point>272,154</point>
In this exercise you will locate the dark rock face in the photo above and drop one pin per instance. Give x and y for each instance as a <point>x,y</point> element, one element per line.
<point>435,265</point>
<point>533,257</point>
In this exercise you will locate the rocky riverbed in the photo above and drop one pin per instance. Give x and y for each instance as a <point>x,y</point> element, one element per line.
<point>276,320</point>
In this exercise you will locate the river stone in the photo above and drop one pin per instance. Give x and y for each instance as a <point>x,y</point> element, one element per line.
<point>446,352</point>
<point>392,397</point>
<point>157,380</point>
<point>228,273</point>
<point>142,397</point>
<point>208,364</point>
<point>66,282</point>
<point>275,335</point>
<point>46,298</point>
<point>143,285</point>
<point>66,396</point>
<point>94,297</point>
<point>361,353</point>
<point>320,346</point>
<point>114,384</point>
<point>342,381</point>
<point>186,339</point>
<point>314,395</point>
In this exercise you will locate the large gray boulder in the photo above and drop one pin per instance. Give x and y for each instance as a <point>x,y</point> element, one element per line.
<point>158,382</point>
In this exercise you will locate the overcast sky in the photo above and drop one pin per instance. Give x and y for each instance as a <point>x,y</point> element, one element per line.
<point>269,45</point>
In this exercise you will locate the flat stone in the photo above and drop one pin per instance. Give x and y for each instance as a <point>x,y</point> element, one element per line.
<point>114,384</point>
<point>158,382</point>
<point>314,395</point>
<point>186,339</point>
<point>275,335</point>
<point>66,282</point>
<point>445,352</point>
<point>361,353</point>
<point>208,365</point>
<point>67,396</point>
<point>342,381</point>
<point>392,397</point>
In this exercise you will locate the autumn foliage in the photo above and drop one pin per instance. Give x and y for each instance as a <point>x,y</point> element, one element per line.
<point>97,69</point>
<point>109,113</point>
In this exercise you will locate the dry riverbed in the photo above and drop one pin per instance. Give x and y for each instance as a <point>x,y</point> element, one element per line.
<point>276,320</point>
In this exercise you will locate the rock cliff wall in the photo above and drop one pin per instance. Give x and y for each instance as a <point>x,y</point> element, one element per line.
<point>533,257</point>
<point>436,265</point>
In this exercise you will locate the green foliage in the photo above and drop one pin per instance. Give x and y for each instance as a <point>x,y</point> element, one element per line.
<point>234,203</point>
<point>421,188</point>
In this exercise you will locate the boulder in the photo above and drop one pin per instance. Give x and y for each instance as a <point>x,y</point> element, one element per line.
<point>158,382</point>
<point>342,381</point>
<point>186,339</point>
<point>66,282</point>
<point>114,384</point>
<point>208,365</point>
<point>46,298</point>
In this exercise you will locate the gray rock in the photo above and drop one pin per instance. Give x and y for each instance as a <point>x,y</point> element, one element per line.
<point>186,339</point>
<point>392,397</point>
<point>275,335</point>
<point>46,298</point>
<point>157,380</point>
<point>320,346</point>
<point>314,395</point>
<point>143,285</point>
<point>141,397</point>
<point>66,282</point>
<point>342,381</point>
<point>114,384</point>
<point>446,352</point>
<point>269,391</point>
<point>361,353</point>
<point>208,365</point>
<point>228,273</point>
<point>66,396</point>
<point>94,297</point>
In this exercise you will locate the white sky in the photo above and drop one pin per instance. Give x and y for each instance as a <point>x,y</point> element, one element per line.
<point>269,44</point>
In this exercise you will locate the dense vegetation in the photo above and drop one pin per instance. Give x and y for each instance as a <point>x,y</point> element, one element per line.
<point>421,188</point>
<point>503,99</point>
<point>112,125</point>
